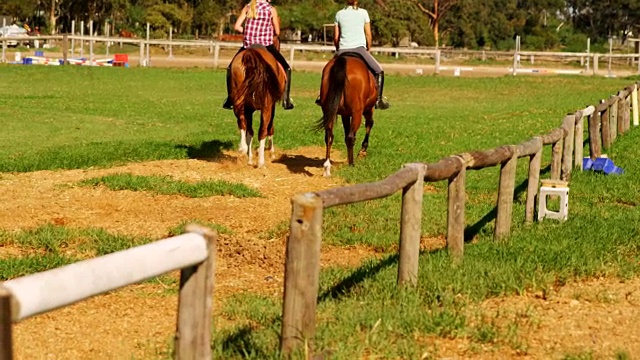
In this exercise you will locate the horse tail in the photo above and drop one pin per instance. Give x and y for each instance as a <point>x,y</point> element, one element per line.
<point>261,80</point>
<point>337,82</point>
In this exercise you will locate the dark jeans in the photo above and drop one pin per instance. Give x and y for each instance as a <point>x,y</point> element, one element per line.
<point>276,54</point>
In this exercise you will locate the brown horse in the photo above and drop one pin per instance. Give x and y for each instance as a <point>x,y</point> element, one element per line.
<point>257,84</point>
<point>348,89</point>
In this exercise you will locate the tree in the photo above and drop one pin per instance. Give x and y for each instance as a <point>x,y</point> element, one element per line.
<point>435,10</point>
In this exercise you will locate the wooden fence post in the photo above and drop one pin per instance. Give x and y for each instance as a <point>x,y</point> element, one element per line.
<point>505,195</point>
<point>613,118</point>
<point>65,49</point>
<point>578,138</point>
<point>302,269</point>
<point>456,212</point>
<point>605,128</point>
<point>622,113</point>
<point>216,55</point>
<point>6,325</point>
<point>567,153</point>
<point>556,159</point>
<point>193,330</point>
<point>634,102</point>
<point>535,162</point>
<point>594,135</point>
<point>411,228</point>
<point>291,53</point>
<point>141,61</point>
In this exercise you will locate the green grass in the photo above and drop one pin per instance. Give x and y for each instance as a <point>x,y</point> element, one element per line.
<point>76,117</point>
<point>49,246</point>
<point>164,185</point>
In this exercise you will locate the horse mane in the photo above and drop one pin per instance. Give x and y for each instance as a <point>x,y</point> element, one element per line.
<point>261,79</point>
<point>337,79</point>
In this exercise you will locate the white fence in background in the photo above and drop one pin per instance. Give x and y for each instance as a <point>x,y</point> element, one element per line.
<point>572,63</point>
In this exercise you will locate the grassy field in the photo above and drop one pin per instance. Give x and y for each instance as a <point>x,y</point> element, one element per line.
<point>80,117</point>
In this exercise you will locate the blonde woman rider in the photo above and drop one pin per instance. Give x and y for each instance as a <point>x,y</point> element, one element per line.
<point>352,33</point>
<point>262,23</point>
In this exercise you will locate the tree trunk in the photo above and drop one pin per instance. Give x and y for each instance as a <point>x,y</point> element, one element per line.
<point>436,20</point>
<point>52,17</point>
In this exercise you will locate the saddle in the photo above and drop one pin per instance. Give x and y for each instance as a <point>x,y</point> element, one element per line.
<point>358,56</point>
<point>262,47</point>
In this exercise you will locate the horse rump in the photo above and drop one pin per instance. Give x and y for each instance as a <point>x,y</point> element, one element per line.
<point>336,81</point>
<point>261,84</point>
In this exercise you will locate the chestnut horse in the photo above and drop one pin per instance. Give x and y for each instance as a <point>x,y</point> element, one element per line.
<point>348,89</point>
<point>257,84</point>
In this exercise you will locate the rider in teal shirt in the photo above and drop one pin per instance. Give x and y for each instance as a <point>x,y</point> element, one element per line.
<point>352,33</point>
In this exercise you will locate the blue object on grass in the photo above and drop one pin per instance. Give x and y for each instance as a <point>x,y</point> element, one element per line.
<point>603,164</point>
<point>587,163</point>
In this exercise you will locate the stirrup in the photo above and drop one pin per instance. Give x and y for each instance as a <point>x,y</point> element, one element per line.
<point>228,104</point>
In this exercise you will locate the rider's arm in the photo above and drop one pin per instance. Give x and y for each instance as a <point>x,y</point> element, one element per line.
<point>275,19</point>
<point>367,34</point>
<point>243,15</point>
<point>336,36</point>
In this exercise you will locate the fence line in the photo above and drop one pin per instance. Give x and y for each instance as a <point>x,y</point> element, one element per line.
<point>193,253</point>
<point>436,54</point>
<point>302,265</point>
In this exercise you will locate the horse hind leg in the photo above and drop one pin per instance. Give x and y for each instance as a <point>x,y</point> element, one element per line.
<point>266,119</point>
<point>350,130</point>
<point>328,140</point>
<point>368,125</point>
<point>270,131</point>
<point>249,140</point>
<point>242,126</point>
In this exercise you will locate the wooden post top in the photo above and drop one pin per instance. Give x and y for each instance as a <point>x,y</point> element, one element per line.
<point>554,183</point>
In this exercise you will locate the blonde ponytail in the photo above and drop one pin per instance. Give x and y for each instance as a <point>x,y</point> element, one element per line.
<point>252,13</point>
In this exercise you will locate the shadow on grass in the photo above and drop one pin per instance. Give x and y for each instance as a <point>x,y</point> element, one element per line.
<point>473,230</point>
<point>364,272</point>
<point>207,150</point>
<point>240,342</point>
<point>361,273</point>
<point>297,164</point>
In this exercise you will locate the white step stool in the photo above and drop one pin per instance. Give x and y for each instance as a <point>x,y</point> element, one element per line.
<point>553,187</point>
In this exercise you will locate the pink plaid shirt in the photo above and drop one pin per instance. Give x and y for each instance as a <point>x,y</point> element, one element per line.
<point>260,29</point>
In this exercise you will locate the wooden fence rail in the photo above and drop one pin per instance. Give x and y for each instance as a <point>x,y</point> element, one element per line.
<point>302,266</point>
<point>193,253</point>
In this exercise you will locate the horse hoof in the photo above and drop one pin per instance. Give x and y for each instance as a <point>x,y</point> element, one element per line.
<point>362,153</point>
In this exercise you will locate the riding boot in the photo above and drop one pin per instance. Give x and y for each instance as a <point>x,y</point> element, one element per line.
<point>286,99</point>
<point>318,101</point>
<point>381,103</point>
<point>228,103</point>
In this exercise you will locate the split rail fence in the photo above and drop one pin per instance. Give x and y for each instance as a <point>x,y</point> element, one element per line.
<point>75,44</point>
<point>605,121</point>
<point>193,253</point>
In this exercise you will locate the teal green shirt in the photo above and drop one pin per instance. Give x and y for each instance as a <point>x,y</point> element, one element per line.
<point>351,22</point>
